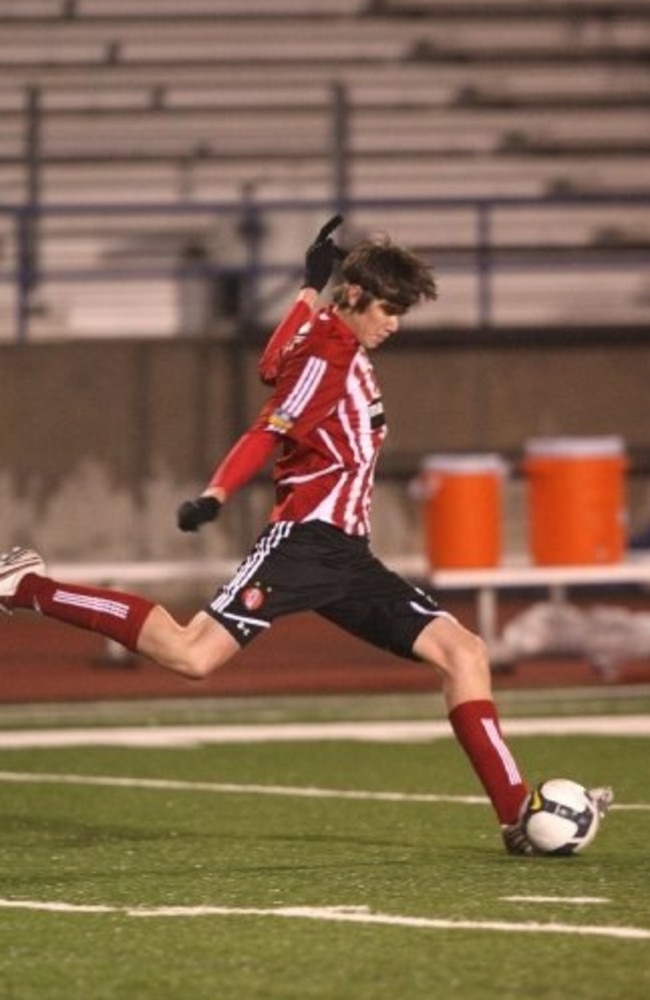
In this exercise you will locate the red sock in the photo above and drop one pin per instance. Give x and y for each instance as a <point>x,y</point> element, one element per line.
<point>112,613</point>
<point>476,725</point>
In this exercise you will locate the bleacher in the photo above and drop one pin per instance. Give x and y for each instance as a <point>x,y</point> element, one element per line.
<point>150,102</point>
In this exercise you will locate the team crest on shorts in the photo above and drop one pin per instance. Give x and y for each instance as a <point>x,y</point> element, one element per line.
<point>253,598</point>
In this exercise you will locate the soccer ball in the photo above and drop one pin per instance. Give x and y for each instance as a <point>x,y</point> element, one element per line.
<point>559,817</point>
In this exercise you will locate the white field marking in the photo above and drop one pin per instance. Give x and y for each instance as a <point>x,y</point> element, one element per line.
<point>339,914</point>
<point>372,732</point>
<point>168,784</point>
<point>292,791</point>
<point>28,904</point>
<point>573,900</point>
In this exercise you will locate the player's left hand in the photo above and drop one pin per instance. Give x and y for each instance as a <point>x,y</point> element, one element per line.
<point>322,255</point>
<point>193,513</point>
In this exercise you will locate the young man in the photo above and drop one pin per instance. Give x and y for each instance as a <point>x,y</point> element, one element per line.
<point>325,417</point>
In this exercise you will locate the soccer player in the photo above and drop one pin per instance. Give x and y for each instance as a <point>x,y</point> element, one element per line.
<point>324,420</point>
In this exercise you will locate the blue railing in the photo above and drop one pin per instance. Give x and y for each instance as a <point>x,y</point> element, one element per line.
<point>482,258</point>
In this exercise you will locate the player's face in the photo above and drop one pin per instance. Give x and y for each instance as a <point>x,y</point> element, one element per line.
<point>378,321</point>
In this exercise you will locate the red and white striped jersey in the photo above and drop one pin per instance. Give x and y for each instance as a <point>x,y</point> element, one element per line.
<point>327,407</point>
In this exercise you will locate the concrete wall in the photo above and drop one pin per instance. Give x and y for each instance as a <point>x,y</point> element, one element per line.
<point>101,440</point>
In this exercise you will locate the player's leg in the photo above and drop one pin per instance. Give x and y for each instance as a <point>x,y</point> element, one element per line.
<point>276,578</point>
<point>382,608</point>
<point>462,660</point>
<point>193,650</point>
<point>459,655</point>
<point>281,575</point>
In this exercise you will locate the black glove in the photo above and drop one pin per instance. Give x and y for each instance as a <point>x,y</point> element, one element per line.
<point>193,513</point>
<point>322,255</point>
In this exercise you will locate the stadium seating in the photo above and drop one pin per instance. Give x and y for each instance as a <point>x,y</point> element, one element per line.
<point>151,101</point>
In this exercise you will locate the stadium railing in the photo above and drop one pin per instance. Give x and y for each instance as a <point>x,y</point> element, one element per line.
<point>522,261</point>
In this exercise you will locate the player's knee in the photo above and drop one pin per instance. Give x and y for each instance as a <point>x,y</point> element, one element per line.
<point>196,664</point>
<point>475,652</point>
<point>204,647</point>
<point>467,657</point>
<point>194,668</point>
<point>453,649</point>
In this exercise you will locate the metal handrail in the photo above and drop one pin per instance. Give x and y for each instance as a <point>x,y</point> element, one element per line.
<point>483,258</point>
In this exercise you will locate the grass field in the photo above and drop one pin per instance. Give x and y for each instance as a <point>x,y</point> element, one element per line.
<point>338,869</point>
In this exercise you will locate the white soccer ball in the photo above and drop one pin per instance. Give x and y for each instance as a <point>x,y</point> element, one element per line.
<point>559,817</point>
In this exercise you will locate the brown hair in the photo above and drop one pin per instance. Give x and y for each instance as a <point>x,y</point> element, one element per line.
<point>385,271</point>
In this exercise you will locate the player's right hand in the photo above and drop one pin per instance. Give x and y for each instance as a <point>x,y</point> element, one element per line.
<point>193,513</point>
<point>322,255</point>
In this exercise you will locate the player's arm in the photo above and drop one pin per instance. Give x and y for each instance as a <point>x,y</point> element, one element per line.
<point>308,388</point>
<point>247,456</point>
<point>320,258</point>
<point>300,313</point>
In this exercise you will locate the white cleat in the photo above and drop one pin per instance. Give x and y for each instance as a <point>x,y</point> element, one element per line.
<point>602,798</point>
<point>14,565</point>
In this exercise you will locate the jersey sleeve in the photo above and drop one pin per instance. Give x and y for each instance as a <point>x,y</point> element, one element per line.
<point>310,384</point>
<point>247,456</point>
<point>281,339</point>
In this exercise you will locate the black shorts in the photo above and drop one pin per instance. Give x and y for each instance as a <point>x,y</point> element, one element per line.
<point>313,566</point>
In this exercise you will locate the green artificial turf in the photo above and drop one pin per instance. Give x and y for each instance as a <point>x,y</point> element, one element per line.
<point>142,848</point>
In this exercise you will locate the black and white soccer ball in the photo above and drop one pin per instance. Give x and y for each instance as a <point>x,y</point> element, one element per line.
<point>559,817</point>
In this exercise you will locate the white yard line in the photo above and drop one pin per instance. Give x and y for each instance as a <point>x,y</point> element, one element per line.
<point>166,784</point>
<point>386,731</point>
<point>191,736</point>
<point>571,900</point>
<point>357,915</point>
<point>373,732</point>
<point>226,788</point>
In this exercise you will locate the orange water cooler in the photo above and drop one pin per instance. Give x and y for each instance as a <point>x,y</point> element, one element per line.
<point>462,497</point>
<point>576,499</point>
